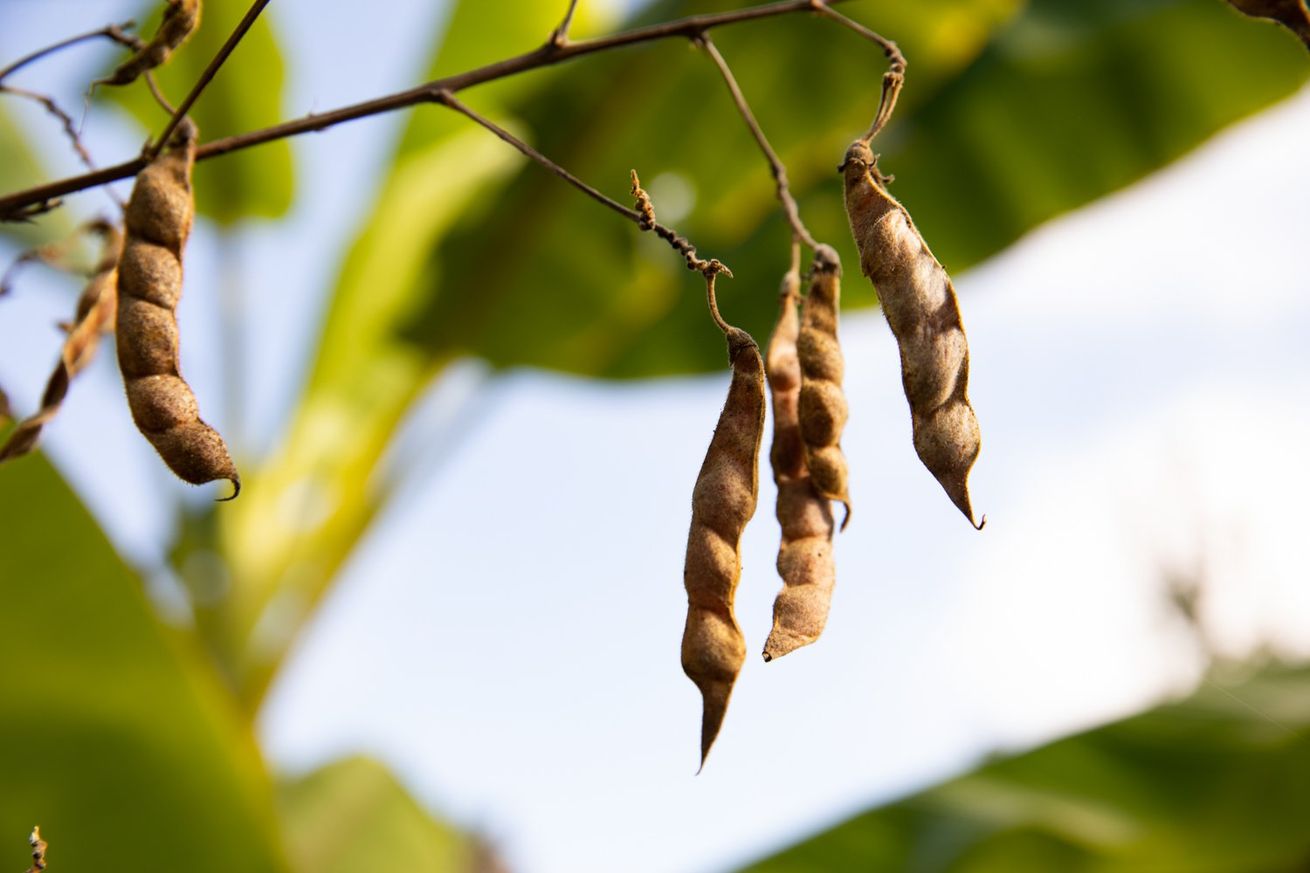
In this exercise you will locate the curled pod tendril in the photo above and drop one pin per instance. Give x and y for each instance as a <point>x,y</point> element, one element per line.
<point>805,558</point>
<point>158,220</point>
<point>723,501</point>
<point>920,304</point>
<point>822,405</point>
<point>94,316</point>
<point>180,19</point>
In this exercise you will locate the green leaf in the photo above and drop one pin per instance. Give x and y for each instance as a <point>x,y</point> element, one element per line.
<point>304,509</point>
<point>114,736</point>
<point>1218,783</point>
<point>352,816</point>
<point>245,95</point>
<point>1006,121</point>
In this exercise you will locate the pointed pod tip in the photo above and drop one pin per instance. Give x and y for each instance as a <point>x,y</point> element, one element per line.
<point>236,489</point>
<point>782,642</point>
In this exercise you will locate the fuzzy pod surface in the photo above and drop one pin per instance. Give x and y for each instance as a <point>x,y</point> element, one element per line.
<point>822,404</point>
<point>95,314</point>
<point>805,556</point>
<point>923,312</point>
<point>723,501</point>
<point>181,17</point>
<point>158,221</point>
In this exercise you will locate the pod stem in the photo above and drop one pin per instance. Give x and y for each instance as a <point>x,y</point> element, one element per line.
<point>892,80</point>
<point>713,302</point>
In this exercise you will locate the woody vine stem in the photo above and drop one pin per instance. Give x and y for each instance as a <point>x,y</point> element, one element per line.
<point>557,48</point>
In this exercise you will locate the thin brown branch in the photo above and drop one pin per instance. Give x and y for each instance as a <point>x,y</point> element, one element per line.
<point>644,219</point>
<point>18,203</point>
<point>113,32</point>
<point>559,37</point>
<point>243,26</point>
<point>445,98</point>
<point>680,244</point>
<point>65,120</point>
<point>892,80</point>
<point>776,165</point>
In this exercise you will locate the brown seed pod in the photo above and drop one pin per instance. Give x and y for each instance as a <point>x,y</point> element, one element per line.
<point>805,559</point>
<point>159,216</point>
<point>822,406</point>
<point>94,316</point>
<point>921,307</point>
<point>180,19</point>
<point>723,501</point>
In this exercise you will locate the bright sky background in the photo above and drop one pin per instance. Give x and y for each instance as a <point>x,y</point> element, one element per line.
<point>507,639</point>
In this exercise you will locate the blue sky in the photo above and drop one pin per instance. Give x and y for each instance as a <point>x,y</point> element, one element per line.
<point>506,638</point>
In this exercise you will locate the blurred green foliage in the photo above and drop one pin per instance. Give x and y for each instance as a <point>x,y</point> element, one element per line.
<point>352,816</point>
<point>115,733</point>
<point>1217,783</point>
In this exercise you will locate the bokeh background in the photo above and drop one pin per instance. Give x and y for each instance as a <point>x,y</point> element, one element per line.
<point>439,629</point>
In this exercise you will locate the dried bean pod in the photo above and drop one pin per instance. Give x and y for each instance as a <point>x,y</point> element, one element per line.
<point>822,404</point>
<point>180,19</point>
<point>94,316</point>
<point>1292,14</point>
<point>805,559</point>
<point>727,488</point>
<point>921,307</point>
<point>159,216</point>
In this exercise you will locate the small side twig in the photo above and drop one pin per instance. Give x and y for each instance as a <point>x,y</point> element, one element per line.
<point>39,847</point>
<point>115,32</point>
<point>65,120</point>
<point>680,244</point>
<point>244,25</point>
<point>892,80</point>
<point>559,37</point>
<point>776,165</point>
<point>644,219</point>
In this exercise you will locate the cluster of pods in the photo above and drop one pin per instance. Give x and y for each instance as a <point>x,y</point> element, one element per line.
<point>804,373</point>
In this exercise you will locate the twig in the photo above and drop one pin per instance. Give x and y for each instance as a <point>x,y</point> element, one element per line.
<point>644,219</point>
<point>13,205</point>
<point>155,91</point>
<point>559,37</point>
<point>38,850</point>
<point>207,76</point>
<point>775,163</point>
<point>892,80</point>
<point>112,31</point>
<point>712,267</point>
<point>70,127</point>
